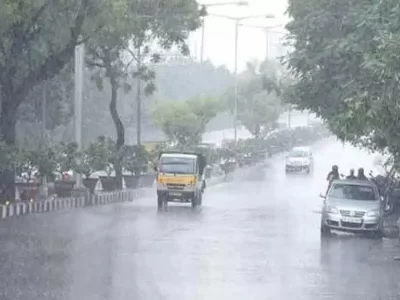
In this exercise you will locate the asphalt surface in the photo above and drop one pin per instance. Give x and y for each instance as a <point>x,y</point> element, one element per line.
<point>256,237</point>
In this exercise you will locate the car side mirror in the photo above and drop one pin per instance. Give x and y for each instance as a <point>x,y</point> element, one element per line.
<point>322,196</point>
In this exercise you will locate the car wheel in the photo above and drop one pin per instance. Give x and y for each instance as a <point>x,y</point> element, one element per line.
<point>325,230</point>
<point>378,234</point>
<point>308,170</point>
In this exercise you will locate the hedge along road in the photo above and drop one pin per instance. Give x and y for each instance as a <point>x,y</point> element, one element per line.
<point>256,237</point>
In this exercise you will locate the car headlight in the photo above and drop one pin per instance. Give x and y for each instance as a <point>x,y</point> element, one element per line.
<point>332,210</point>
<point>373,213</point>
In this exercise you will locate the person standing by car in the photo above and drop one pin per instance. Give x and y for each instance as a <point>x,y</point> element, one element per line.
<point>361,175</point>
<point>332,175</point>
<point>351,175</point>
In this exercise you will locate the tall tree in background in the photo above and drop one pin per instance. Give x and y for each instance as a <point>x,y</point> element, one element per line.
<point>259,105</point>
<point>166,22</point>
<point>38,39</point>
<point>184,122</point>
<point>346,62</point>
<point>50,106</point>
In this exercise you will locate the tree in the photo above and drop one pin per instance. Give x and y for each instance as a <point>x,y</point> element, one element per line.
<point>94,158</point>
<point>166,22</point>
<point>179,124</point>
<point>346,63</point>
<point>259,104</point>
<point>205,109</point>
<point>184,122</point>
<point>259,113</point>
<point>136,159</point>
<point>38,39</point>
<point>66,157</point>
<point>54,97</point>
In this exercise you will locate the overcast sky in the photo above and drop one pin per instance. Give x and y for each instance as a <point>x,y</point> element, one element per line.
<point>220,33</point>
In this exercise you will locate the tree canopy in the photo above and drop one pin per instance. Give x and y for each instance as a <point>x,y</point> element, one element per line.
<point>128,40</point>
<point>259,103</point>
<point>184,122</point>
<point>346,63</point>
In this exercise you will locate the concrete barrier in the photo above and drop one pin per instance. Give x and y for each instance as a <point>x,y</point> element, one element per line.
<point>60,204</point>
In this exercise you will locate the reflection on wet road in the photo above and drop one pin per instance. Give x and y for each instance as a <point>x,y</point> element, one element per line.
<point>255,238</point>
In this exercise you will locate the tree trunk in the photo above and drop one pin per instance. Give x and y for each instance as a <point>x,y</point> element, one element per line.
<point>257,131</point>
<point>120,131</point>
<point>8,122</point>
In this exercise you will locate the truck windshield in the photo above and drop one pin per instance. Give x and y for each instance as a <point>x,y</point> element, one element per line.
<point>298,153</point>
<point>177,165</point>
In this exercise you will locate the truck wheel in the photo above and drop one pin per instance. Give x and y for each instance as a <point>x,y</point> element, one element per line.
<point>200,199</point>
<point>162,201</point>
<point>194,202</point>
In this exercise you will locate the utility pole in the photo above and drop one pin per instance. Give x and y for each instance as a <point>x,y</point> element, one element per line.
<point>79,70</point>
<point>267,43</point>
<point>139,98</point>
<point>237,21</point>
<point>235,111</point>
<point>44,109</point>
<point>237,3</point>
<point>202,42</point>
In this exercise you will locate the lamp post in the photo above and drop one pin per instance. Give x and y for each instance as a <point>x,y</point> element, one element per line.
<point>237,3</point>
<point>79,76</point>
<point>267,30</point>
<point>237,21</point>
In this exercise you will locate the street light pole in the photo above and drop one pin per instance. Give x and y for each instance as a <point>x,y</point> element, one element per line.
<point>202,42</point>
<point>235,111</point>
<point>237,25</point>
<point>44,110</point>
<point>237,3</point>
<point>139,98</point>
<point>79,70</point>
<point>267,30</point>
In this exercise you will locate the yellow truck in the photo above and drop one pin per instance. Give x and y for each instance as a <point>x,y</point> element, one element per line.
<point>180,178</point>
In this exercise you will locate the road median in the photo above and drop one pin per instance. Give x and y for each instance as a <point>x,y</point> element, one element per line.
<point>62,204</point>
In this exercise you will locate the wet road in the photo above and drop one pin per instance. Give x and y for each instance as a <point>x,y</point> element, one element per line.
<point>255,238</point>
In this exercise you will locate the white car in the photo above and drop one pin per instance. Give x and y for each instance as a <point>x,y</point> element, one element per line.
<point>299,159</point>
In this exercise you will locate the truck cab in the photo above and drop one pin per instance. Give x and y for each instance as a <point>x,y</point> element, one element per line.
<point>180,178</point>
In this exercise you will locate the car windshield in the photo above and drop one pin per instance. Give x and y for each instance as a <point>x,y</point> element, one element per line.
<point>177,165</point>
<point>298,153</point>
<point>352,192</point>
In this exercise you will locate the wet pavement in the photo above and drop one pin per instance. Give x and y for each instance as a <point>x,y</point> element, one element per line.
<point>256,237</point>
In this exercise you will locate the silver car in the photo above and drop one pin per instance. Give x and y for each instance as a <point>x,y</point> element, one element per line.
<point>299,159</point>
<point>353,206</point>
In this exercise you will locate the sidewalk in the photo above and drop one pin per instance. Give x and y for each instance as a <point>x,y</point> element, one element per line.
<point>391,225</point>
